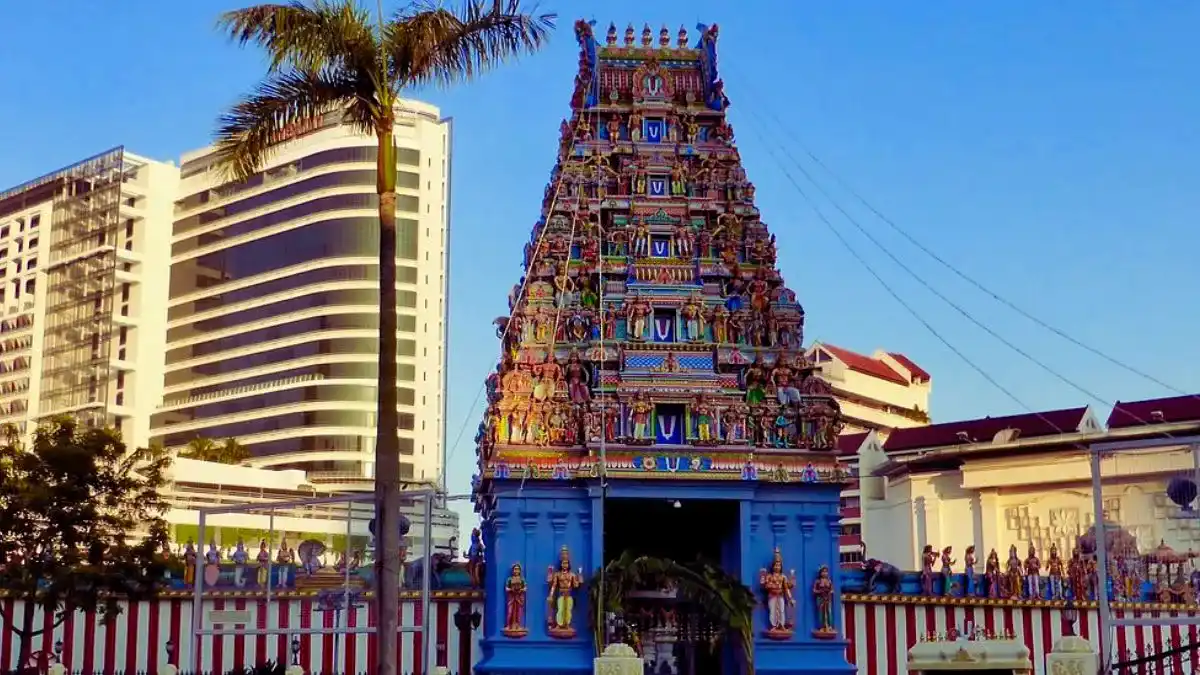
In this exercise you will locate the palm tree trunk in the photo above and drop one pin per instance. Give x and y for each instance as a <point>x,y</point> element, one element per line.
<point>387,447</point>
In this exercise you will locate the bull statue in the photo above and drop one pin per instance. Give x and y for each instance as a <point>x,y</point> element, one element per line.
<point>880,571</point>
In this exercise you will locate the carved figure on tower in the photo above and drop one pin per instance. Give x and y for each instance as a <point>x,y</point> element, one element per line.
<point>578,380</point>
<point>1033,574</point>
<point>1012,578</point>
<point>1055,573</point>
<point>969,571</point>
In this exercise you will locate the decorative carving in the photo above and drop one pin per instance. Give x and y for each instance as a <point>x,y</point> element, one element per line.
<point>778,588</point>
<point>515,589</point>
<point>560,599</point>
<point>822,592</point>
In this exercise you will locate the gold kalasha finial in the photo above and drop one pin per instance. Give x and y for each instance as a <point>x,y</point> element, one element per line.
<point>683,37</point>
<point>647,35</point>
<point>611,38</point>
<point>664,37</point>
<point>629,35</point>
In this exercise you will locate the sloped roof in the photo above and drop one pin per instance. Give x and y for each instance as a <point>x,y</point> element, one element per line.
<point>848,444</point>
<point>1154,411</point>
<point>1029,425</point>
<point>918,373</point>
<point>864,364</point>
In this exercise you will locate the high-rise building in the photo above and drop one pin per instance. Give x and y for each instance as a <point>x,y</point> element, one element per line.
<point>83,293</point>
<point>272,324</point>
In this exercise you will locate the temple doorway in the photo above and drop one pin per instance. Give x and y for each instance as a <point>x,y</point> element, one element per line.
<point>667,562</point>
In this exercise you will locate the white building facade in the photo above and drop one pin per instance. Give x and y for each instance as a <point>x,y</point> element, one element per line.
<point>83,265</point>
<point>272,319</point>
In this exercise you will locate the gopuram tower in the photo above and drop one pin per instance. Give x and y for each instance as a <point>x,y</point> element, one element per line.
<point>652,394</point>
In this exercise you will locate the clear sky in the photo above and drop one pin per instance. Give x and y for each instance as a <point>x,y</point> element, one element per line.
<point>1047,149</point>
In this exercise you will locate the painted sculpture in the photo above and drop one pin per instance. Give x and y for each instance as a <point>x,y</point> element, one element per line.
<point>822,592</point>
<point>562,584</point>
<point>239,559</point>
<point>928,560</point>
<point>515,589</point>
<point>778,588</point>
<point>1033,574</point>
<point>475,559</point>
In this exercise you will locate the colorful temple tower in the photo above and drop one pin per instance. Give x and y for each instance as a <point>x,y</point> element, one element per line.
<point>652,392</point>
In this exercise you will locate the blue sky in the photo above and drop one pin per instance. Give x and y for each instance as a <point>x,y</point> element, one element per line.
<point>1047,149</point>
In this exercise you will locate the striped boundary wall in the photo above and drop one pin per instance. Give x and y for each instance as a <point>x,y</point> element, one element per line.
<point>880,629</point>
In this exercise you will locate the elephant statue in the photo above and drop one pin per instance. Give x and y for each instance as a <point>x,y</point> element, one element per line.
<point>880,571</point>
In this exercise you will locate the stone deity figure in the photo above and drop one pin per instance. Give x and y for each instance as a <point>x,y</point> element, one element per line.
<point>928,560</point>
<point>693,319</point>
<point>947,570</point>
<point>969,571</point>
<point>189,563</point>
<point>1055,569</point>
<point>640,417</point>
<point>704,418</point>
<point>1077,577</point>
<point>578,379</point>
<point>992,574</point>
<point>564,286</point>
<point>720,324</point>
<point>283,560</point>
<point>212,564</point>
<point>1033,574</point>
<point>637,314</point>
<point>1093,577</point>
<point>782,376</point>
<point>756,381</point>
<point>515,588</point>
<point>778,588</point>
<point>563,583</point>
<point>239,558</point>
<point>641,239</point>
<point>264,561</point>
<point>475,559</point>
<point>1012,575</point>
<point>822,591</point>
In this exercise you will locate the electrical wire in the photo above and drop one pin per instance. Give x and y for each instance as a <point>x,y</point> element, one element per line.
<point>581,119</point>
<point>792,135</point>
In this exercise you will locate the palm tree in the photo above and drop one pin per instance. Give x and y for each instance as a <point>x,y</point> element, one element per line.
<point>330,56</point>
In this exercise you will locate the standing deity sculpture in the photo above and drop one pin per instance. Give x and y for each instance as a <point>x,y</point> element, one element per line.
<point>563,583</point>
<point>969,571</point>
<point>778,587</point>
<point>239,559</point>
<point>704,419</point>
<point>639,414</point>
<point>992,574</point>
<point>1033,574</point>
<point>262,574</point>
<point>1054,566</point>
<point>637,318</point>
<point>641,238</point>
<point>822,592</point>
<point>1012,577</point>
<point>578,380</point>
<point>693,318</point>
<point>189,563</point>
<point>515,589</point>
<point>928,560</point>
<point>212,564</point>
<point>947,571</point>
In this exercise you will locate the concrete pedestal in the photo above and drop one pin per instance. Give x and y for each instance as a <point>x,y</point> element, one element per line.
<point>1072,655</point>
<point>617,659</point>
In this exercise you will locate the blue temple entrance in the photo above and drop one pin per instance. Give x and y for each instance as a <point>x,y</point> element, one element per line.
<point>653,397</point>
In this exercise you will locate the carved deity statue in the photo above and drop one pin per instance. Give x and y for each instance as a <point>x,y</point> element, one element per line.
<point>704,419</point>
<point>1033,574</point>
<point>1055,573</point>
<point>928,560</point>
<point>992,574</point>
<point>1012,576</point>
<point>1077,577</point>
<point>822,592</point>
<point>778,588</point>
<point>189,563</point>
<point>693,318</point>
<point>947,571</point>
<point>264,562</point>
<point>640,411</point>
<point>515,589</point>
<point>969,571</point>
<point>562,584</point>
<point>239,559</point>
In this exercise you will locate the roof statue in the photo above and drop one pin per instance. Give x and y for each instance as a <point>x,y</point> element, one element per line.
<point>652,335</point>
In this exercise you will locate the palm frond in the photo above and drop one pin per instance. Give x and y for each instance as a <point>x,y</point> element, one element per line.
<point>428,44</point>
<point>248,132</point>
<point>309,36</point>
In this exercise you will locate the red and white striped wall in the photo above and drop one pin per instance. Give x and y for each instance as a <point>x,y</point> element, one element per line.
<point>137,639</point>
<point>881,633</point>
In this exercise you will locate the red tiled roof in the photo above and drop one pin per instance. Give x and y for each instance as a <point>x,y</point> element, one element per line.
<point>918,372</point>
<point>1155,411</point>
<point>848,444</point>
<point>864,364</point>
<point>1030,425</point>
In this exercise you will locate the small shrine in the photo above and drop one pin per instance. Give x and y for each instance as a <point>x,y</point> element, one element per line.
<point>654,432</point>
<point>996,656</point>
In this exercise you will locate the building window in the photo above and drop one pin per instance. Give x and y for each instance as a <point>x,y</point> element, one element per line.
<point>407,323</point>
<point>35,220</point>
<point>407,299</point>
<point>406,348</point>
<point>406,396</point>
<point>406,372</point>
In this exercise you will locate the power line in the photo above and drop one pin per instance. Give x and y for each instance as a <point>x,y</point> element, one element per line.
<point>891,291</point>
<point>932,289</point>
<point>955,270</point>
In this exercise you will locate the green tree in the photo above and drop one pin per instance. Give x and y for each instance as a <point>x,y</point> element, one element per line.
<point>228,451</point>
<point>333,57</point>
<point>81,525</point>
